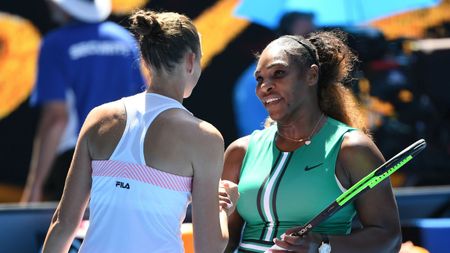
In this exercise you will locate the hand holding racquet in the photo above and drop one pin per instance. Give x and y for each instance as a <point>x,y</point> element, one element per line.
<point>367,183</point>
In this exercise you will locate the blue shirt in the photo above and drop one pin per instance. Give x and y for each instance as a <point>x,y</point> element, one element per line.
<point>98,62</point>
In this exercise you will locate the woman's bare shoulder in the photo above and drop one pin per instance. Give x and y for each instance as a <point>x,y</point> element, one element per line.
<point>239,146</point>
<point>359,155</point>
<point>191,128</point>
<point>234,156</point>
<point>104,127</point>
<point>184,133</point>
<point>106,116</point>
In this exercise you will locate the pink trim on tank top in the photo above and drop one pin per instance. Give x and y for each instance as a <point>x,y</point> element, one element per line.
<point>143,173</point>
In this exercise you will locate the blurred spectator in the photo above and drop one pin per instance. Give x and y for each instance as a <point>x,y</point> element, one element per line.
<point>430,59</point>
<point>86,62</point>
<point>296,23</point>
<point>406,100</point>
<point>438,31</point>
<point>249,112</point>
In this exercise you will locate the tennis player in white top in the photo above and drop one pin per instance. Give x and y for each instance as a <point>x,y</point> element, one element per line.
<point>141,160</point>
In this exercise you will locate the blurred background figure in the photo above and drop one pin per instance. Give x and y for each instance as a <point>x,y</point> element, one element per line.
<point>296,23</point>
<point>248,110</point>
<point>86,62</point>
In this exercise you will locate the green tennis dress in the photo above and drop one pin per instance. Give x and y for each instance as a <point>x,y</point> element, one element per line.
<point>281,190</point>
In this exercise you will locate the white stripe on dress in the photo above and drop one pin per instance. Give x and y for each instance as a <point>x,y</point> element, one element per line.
<point>254,247</point>
<point>268,193</point>
<point>143,173</point>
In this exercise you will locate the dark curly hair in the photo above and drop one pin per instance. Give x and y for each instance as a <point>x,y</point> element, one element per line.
<point>328,49</point>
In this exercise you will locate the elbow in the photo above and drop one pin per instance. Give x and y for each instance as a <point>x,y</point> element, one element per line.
<point>395,232</point>
<point>213,244</point>
<point>395,243</point>
<point>397,240</point>
<point>393,238</point>
<point>382,239</point>
<point>55,218</point>
<point>64,225</point>
<point>55,223</point>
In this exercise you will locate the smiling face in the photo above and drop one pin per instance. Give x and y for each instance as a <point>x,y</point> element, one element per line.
<point>283,86</point>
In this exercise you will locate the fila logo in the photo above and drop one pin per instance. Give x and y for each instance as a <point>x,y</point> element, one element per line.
<point>123,185</point>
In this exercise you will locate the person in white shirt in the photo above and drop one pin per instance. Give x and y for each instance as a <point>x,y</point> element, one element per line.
<point>139,161</point>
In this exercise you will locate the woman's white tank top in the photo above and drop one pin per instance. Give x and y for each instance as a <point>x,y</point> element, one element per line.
<point>135,208</point>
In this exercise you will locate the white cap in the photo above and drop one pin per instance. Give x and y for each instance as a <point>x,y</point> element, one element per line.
<point>86,10</point>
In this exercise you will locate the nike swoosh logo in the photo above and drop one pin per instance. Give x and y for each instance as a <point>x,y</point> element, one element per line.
<point>312,167</point>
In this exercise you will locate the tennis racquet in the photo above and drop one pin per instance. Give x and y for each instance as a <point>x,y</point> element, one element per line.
<point>365,184</point>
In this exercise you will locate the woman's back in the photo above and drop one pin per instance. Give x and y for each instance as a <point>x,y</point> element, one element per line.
<point>135,205</point>
<point>140,163</point>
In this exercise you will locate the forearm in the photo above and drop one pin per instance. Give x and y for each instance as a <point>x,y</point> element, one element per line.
<point>212,241</point>
<point>210,224</point>
<point>234,237</point>
<point>60,233</point>
<point>367,240</point>
<point>59,238</point>
<point>224,226</point>
<point>73,203</point>
<point>235,224</point>
<point>46,147</point>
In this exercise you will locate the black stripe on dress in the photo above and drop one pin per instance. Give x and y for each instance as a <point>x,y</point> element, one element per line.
<point>260,191</point>
<point>275,193</point>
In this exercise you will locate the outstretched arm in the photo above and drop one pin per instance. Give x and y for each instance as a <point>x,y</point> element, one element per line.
<point>209,221</point>
<point>74,200</point>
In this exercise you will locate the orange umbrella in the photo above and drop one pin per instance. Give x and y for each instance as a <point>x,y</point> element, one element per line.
<point>19,45</point>
<point>124,7</point>
<point>413,24</point>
